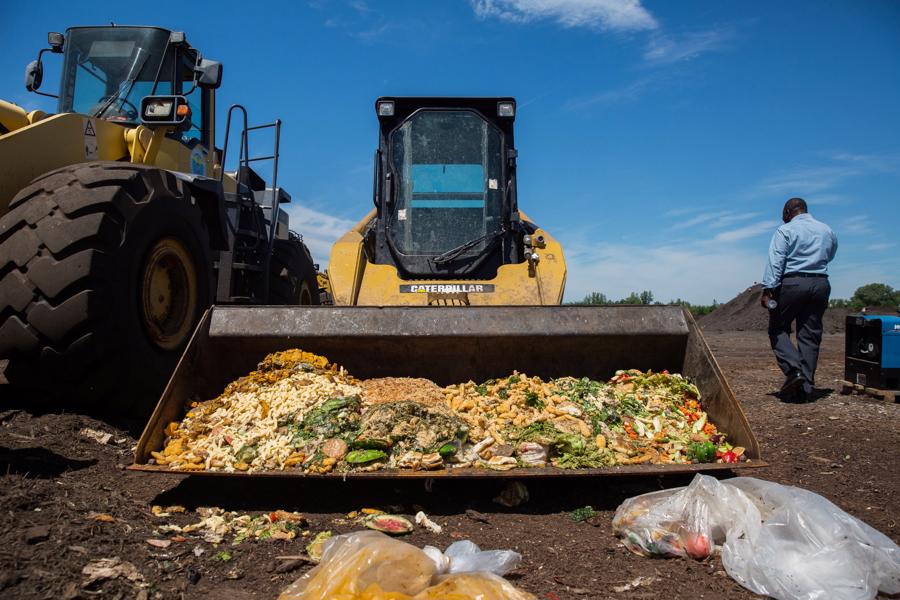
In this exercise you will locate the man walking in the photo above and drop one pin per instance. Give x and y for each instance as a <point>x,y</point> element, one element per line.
<point>796,289</point>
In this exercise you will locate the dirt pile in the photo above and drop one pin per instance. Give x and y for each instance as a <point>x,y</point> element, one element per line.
<point>743,313</point>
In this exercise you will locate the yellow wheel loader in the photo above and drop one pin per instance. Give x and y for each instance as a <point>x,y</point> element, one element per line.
<point>119,226</point>
<point>446,228</point>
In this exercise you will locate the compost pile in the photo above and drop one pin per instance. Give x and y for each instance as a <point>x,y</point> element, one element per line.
<point>299,411</point>
<point>743,313</point>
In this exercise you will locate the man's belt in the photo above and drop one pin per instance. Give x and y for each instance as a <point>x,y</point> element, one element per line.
<point>799,274</point>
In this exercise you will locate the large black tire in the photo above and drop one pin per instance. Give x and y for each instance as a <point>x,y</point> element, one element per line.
<point>292,274</point>
<point>77,250</point>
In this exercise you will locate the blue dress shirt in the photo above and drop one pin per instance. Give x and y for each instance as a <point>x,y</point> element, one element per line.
<point>803,245</point>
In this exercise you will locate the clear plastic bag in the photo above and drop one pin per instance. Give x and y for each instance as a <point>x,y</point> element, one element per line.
<point>686,522</point>
<point>807,548</point>
<point>466,557</point>
<point>780,541</point>
<point>368,565</point>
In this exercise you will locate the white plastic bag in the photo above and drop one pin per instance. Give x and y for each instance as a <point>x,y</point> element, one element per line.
<point>807,548</point>
<point>466,557</point>
<point>777,540</point>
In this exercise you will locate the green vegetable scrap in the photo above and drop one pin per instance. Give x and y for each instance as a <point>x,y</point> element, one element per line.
<point>223,556</point>
<point>335,418</point>
<point>362,457</point>
<point>533,400</point>
<point>591,458</point>
<point>580,515</point>
<point>314,548</point>
<point>448,450</point>
<point>541,432</point>
<point>246,454</point>
<point>704,452</point>
<point>569,444</point>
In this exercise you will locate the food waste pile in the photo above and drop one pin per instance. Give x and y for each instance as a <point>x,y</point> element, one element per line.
<point>298,411</point>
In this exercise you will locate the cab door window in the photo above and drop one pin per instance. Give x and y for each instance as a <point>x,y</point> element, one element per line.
<point>198,100</point>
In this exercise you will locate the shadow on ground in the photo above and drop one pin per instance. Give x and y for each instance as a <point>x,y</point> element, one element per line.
<point>14,400</point>
<point>816,395</point>
<point>440,497</point>
<point>38,463</point>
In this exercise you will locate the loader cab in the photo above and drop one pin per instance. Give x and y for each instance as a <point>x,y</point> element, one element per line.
<point>445,192</point>
<point>108,70</point>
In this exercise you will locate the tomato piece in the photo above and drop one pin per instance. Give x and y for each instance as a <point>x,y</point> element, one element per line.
<point>697,545</point>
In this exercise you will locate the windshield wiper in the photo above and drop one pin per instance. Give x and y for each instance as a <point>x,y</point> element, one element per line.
<point>455,252</point>
<point>139,59</point>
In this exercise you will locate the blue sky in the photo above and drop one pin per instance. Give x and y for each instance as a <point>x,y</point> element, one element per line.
<point>657,140</point>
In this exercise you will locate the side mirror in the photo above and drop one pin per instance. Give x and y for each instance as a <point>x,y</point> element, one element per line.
<point>209,74</point>
<point>34,75</point>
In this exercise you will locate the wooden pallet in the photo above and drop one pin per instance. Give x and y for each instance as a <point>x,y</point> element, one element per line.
<point>848,387</point>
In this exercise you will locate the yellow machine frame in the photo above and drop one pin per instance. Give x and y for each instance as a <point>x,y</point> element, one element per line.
<point>357,282</point>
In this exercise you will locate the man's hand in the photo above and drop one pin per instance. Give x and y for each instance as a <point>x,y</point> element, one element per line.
<point>766,296</point>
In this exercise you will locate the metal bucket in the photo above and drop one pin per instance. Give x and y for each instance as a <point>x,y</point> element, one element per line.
<point>452,345</point>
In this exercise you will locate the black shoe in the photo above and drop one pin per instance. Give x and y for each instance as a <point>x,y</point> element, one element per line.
<point>793,384</point>
<point>792,388</point>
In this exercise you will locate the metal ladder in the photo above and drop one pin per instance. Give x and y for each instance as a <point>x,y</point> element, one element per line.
<point>226,264</point>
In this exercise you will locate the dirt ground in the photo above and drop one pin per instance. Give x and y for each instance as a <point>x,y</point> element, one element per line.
<point>54,479</point>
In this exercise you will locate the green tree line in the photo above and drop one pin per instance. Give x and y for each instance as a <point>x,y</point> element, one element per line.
<point>872,294</point>
<point>646,297</point>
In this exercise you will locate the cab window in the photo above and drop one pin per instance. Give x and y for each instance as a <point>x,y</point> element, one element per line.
<point>448,168</point>
<point>198,100</point>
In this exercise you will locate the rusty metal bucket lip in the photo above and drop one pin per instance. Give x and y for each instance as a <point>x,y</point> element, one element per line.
<point>474,473</point>
<point>409,321</point>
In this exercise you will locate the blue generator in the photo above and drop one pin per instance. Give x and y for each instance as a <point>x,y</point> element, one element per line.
<point>872,351</point>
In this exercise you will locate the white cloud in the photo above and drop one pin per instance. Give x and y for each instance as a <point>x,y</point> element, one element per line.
<point>616,15</point>
<point>808,180</point>
<point>726,249</point>
<point>748,231</point>
<point>820,184</point>
<point>694,273</point>
<point>881,247</point>
<point>885,163</point>
<point>684,210</point>
<point>854,225</point>
<point>628,92</point>
<point>716,219</point>
<point>320,230</point>
<point>827,199</point>
<point>664,49</point>
<point>361,22</point>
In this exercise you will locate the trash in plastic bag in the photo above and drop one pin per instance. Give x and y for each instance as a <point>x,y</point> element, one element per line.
<point>466,557</point>
<point>776,540</point>
<point>368,565</point>
<point>682,522</point>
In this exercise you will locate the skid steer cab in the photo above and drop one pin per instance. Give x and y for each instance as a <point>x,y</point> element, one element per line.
<point>446,228</point>
<point>119,224</point>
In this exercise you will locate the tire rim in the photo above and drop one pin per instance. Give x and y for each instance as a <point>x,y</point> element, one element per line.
<point>168,294</point>
<point>305,295</point>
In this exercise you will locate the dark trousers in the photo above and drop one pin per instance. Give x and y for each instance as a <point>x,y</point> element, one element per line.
<point>802,300</point>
